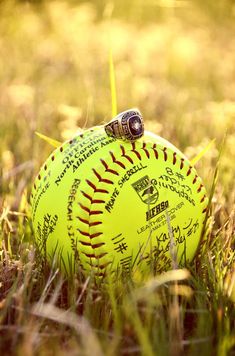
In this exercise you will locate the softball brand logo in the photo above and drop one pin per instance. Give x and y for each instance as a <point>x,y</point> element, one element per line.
<point>156,210</point>
<point>146,189</point>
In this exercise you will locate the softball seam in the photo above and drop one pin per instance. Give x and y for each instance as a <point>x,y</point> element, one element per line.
<point>116,161</point>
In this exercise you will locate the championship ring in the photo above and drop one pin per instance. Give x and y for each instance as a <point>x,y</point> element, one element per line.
<point>128,125</point>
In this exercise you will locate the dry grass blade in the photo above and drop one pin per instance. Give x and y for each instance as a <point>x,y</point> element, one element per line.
<point>80,325</point>
<point>29,165</point>
<point>202,153</point>
<point>170,276</point>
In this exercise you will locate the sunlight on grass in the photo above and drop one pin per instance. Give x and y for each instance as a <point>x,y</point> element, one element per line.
<point>66,66</point>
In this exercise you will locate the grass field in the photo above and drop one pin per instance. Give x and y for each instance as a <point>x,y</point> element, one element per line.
<point>175,60</point>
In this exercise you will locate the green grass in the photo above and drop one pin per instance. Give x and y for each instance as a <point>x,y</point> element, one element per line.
<point>176,63</point>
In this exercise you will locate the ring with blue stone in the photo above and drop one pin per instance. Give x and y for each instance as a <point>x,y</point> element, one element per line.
<point>128,125</point>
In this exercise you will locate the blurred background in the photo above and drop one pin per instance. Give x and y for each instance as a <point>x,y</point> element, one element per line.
<point>174,60</point>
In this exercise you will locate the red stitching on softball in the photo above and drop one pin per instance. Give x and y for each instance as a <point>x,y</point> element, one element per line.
<point>116,161</point>
<point>92,255</point>
<point>90,212</point>
<point>96,190</point>
<point>145,150</point>
<point>93,265</point>
<point>125,155</point>
<point>52,158</point>
<point>96,212</point>
<point>86,195</point>
<point>189,171</point>
<point>108,181</point>
<point>85,208</point>
<point>174,158</point>
<point>155,151</point>
<point>195,179</point>
<point>84,233</point>
<point>107,169</point>
<point>45,167</point>
<point>203,198</point>
<point>103,266</point>
<point>85,243</point>
<point>95,201</point>
<point>83,220</point>
<point>89,223</point>
<point>39,177</point>
<point>136,152</point>
<point>95,223</point>
<point>182,163</point>
<point>165,153</point>
<point>61,149</point>
<point>95,246</point>
<point>204,211</point>
<point>200,188</point>
<point>91,236</point>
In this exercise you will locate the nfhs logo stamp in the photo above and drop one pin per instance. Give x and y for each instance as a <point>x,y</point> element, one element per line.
<point>146,189</point>
<point>148,193</point>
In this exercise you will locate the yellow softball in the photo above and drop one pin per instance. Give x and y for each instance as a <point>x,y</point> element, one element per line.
<point>100,204</point>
